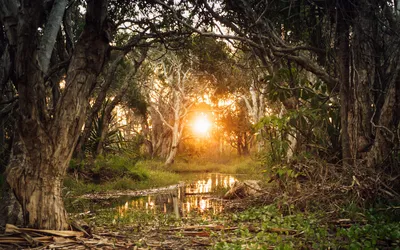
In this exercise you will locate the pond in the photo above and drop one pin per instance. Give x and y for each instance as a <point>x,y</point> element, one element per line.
<point>181,199</point>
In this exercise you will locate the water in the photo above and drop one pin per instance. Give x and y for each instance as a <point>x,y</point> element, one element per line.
<point>182,199</point>
<point>196,196</point>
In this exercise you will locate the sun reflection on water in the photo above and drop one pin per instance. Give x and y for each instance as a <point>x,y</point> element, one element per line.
<point>194,197</point>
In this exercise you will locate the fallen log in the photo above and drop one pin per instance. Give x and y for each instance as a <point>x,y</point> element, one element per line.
<point>243,189</point>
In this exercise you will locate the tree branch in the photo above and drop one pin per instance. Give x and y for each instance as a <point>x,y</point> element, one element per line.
<point>50,34</point>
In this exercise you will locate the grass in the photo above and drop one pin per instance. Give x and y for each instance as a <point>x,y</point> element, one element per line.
<point>155,179</point>
<point>125,173</point>
<point>238,165</point>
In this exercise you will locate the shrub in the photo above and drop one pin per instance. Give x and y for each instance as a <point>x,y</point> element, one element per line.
<point>113,167</point>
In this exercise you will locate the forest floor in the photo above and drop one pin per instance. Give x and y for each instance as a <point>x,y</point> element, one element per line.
<point>248,224</point>
<point>256,227</point>
<point>272,220</point>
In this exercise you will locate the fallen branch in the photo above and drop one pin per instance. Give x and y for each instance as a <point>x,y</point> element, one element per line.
<point>13,229</point>
<point>197,233</point>
<point>202,227</point>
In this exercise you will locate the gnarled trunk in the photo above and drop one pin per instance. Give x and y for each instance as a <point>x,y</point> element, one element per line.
<point>45,141</point>
<point>35,175</point>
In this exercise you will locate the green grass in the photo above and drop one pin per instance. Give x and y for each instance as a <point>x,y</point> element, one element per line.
<point>159,178</point>
<point>238,165</point>
<point>124,173</point>
<point>155,179</point>
<point>120,166</point>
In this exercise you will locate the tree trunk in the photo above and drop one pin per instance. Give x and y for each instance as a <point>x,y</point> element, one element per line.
<point>176,136</point>
<point>45,143</point>
<point>344,78</point>
<point>35,175</point>
<point>146,135</point>
<point>385,137</point>
<point>256,109</point>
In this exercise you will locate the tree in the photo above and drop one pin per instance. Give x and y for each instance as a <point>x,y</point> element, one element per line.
<point>45,140</point>
<point>238,128</point>
<point>312,34</point>
<point>174,89</point>
<point>53,74</point>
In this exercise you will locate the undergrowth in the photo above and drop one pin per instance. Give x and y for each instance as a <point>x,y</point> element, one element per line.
<point>264,227</point>
<point>267,226</point>
<point>307,204</point>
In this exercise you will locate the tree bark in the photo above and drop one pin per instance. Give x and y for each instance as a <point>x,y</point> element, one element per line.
<point>176,129</point>
<point>343,30</point>
<point>45,143</point>
<point>385,137</point>
<point>256,109</point>
<point>50,34</point>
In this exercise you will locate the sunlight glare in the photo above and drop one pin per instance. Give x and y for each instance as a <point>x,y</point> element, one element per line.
<point>201,125</point>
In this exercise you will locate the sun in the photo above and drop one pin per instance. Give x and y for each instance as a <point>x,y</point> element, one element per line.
<point>201,125</point>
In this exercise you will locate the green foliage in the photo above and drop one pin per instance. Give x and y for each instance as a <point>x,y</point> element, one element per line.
<point>113,141</point>
<point>261,227</point>
<point>266,226</point>
<point>283,173</point>
<point>118,166</point>
<point>159,178</point>
<point>275,130</point>
<point>211,54</point>
<point>247,166</point>
<point>377,230</point>
<point>76,165</point>
<point>151,164</point>
<point>310,115</point>
<point>118,173</point>
<point>237,128</point>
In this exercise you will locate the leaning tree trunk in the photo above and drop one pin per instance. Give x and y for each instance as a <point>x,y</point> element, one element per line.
<point>45,142</point>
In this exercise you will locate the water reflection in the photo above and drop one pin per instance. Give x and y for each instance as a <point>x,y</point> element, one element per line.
<point>194,197</point>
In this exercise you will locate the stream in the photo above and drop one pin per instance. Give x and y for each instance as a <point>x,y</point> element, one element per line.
<point>197,196</point>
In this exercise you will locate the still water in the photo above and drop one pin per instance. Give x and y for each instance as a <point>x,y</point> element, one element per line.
<point>196,196</point>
